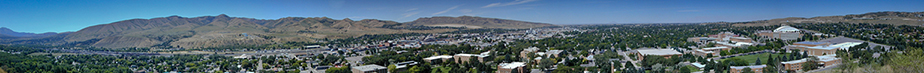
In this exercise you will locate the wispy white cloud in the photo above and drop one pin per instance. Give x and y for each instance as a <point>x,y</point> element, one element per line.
<point>447,10</point>
<point>412,9</point>
<point>409,14</point>
<point>515,2</point>
<point>469,12</point>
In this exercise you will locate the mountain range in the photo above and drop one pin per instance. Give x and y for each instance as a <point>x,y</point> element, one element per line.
<point>9,33</point>
<point>887,17</point>
<point>222,30</point>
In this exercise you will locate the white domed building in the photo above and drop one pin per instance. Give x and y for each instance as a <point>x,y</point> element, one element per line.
<point>783,33</point>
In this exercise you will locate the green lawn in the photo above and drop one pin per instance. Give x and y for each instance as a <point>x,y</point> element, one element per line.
<point>693,69</point>
<point>752,58</point>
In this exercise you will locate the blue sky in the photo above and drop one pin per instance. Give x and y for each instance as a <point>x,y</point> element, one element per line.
<point>72,15</point>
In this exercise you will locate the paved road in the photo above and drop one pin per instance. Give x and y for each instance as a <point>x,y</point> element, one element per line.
<point>825,68</point>
<point>626,57</point>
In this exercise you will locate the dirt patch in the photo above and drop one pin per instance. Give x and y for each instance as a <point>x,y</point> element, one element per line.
<point>2,71</point>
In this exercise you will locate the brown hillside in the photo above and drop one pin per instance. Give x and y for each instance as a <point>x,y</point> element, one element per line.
<point>895,18</point>
<point>222,30</point>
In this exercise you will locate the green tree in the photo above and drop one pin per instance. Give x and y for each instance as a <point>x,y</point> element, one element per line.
<point>908,62</point>
<point>770,69</point>
<point>809,64</point>
<point>391,68</point>
<point>684,70</point>
<point>345,69</point>
<point>415,69</point>
<point>545,63</point>
<point>747,70</point>
<point>736,62</point>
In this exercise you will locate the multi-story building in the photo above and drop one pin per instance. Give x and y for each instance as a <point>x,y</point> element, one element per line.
<point>441,58</point>
<point>733,44</point>
<point>701,39</point>
<point>701,52</point>
<point>754,68</point>
<point>740,39</point>
<point>666,53</point>
<point>822,48</point>
<point>525,52</point>
<point>510,67</point>
<point>404,66</point>
<point>794,65</point>
<point>828,60</point>
<point>461,58</point>
<point>370,69</point>
<point>554,53</point>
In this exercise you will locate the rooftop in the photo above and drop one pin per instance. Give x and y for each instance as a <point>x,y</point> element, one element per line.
<point>369,67</point>
<point>714,48</point>
<point>658,52</point>
<point>511,65</point>
<point>823,47</point>
<point>846,45</point>
<point>700,50</point>
<point>794,61</point>
<point>785,29</point>
<point>554,51</point>
<point>478,55</point>
<point>752,67</point>
<point>740,38</point>
<point>698,65</point>
<point>810,42</point>
<point>438,57</point>
<point>826,58</point>
<point>486,53</point>
<point>531,49</point>
<point>734,45</point>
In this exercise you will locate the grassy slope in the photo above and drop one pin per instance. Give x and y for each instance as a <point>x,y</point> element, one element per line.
<point>2,71</point>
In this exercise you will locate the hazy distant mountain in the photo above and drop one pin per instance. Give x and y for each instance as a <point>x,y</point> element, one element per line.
<point>222,30</point>
<point>895,18</point>
<point>10,33</point>
<point>476,22</point>
<point>4,36</point>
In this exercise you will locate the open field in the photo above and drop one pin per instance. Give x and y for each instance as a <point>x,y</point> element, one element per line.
<point>883,69</point>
